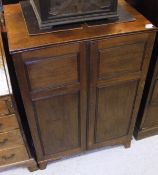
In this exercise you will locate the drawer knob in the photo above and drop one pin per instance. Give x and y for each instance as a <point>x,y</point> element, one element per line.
<point>3,142</point>
<point>8,157</point>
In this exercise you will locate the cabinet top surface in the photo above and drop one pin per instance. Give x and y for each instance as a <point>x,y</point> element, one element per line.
<point>20,40</point>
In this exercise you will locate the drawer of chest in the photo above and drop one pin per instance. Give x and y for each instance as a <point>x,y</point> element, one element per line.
<point>10,139</point>
<point>119,56</point>
<point>13,155</point>
<point>6,106</point>
<point>8,123</point>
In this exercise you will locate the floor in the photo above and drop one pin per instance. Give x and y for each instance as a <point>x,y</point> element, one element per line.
<point>140,159</point>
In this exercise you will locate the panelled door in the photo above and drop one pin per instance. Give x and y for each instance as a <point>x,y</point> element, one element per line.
<point>55,98</point>
<point>118,68</point>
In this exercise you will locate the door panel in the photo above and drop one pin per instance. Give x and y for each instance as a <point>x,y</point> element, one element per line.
<point>59,123</point>
<point>121,59</point>
<point>55,71</point>
<point>114,110</point>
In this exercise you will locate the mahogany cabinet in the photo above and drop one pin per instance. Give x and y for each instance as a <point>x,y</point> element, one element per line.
<point>81,88</point>
<point>147,121</point>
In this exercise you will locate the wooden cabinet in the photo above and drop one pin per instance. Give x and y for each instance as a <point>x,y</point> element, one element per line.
<point>81,88</point>
<point>147,121</point>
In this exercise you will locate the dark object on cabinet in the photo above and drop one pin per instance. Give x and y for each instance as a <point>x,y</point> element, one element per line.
<point>33,27</point>
<point>81,88</point>
<point>57,12</point>
<point>147,122</point>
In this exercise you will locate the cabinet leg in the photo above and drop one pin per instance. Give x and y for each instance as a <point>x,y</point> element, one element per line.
<point>127,144</point>
<point>33,168</point>
<point>42,166</point>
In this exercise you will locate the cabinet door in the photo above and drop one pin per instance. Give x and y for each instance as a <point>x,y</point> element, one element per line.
<point>53,86</point>
<point>118,69</point>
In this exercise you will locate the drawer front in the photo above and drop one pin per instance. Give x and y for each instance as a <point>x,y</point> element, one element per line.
<point>10,139</point>
<point>8,123</point>
<point>13,155</point>
<point>126,56</point>
<point>6,106</point>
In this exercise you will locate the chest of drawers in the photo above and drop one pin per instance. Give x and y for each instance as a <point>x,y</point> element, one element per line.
<point>13,146</point>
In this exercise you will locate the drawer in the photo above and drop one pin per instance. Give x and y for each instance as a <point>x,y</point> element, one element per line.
<point>6,106</point>
<point>8,123</point>
<point>10,139</point>
<point>124,56</point>
<point>13,155</point>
